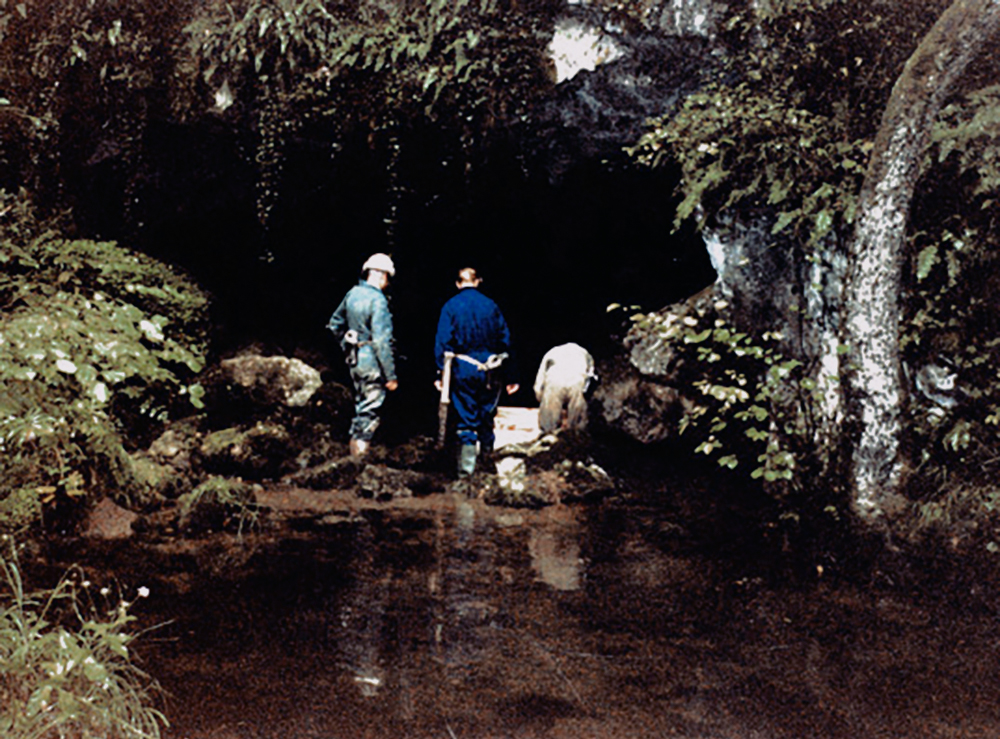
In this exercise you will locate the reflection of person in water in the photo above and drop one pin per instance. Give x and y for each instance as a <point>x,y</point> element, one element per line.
<point>361,616</point>
<point>555,551</point>
<point>463,589</point>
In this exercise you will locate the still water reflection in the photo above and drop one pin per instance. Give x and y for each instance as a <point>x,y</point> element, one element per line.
<point>456,620</point>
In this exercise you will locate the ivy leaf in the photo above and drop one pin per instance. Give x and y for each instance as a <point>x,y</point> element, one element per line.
<point>824,222</point>
<point>784,219</point>
<point>926,260</point>
<point>730,461</point>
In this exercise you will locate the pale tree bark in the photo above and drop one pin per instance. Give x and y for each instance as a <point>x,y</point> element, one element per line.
<point>874,388</point>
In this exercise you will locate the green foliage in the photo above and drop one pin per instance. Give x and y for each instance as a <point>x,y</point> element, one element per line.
<point>761,136</point>
<point>80,80</point>
<point>407,56</point>
<point>752,400</point>
<point>950,314</point>
<point>969,130</point>
<point>19,509</point>
<point>89,333</point>
<point>95,68</point>
<point>65,665</point>
<point>378,66</point>
<point>956,512</point>
<point>220,502</point>
<point>762,133</point>
<point>738,148</point>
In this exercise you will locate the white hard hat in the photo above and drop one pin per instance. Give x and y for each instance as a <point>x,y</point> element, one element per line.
<point>381,262</point>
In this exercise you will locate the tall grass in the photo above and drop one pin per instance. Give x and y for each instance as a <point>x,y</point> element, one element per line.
<point>65,668</point>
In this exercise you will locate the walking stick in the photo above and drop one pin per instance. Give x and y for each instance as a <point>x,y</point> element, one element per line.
<point>445,399</point>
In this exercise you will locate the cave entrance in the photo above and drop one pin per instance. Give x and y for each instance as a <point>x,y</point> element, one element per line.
<point>556,239</point>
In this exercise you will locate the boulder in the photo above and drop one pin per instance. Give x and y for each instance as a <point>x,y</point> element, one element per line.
<point>108,520</point>
<point>645,409</point>
<point>273,380</point>
<point>263,450</point>
<point>337,473</point>
<point>555,468</point>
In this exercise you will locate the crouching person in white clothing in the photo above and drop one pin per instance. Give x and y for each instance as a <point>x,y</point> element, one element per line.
<point>562,380</point>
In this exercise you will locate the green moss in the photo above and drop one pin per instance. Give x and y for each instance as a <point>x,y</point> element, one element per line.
<point>221,442</point>
<point>19,509</point>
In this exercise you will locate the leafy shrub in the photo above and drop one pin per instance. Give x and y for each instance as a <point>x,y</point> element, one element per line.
<point>92,336</point>
<point>65,669</point>
<point>748,401</point>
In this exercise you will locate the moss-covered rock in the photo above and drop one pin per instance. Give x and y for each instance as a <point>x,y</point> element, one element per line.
<point>216,504</point>
<point>262,451</point>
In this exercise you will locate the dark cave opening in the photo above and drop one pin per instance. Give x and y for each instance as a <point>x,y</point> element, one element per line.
<point>554,251</point>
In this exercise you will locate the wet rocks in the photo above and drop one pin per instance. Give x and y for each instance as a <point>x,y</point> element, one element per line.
<point>385,483</point>
<point>339,472</point>
<point>261,451</point>
<point>250,387</point>
<point>640,390</point>
<point>216,504</point>
<point>556,468</point>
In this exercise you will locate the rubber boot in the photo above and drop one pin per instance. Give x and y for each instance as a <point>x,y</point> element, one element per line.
<point>358,447</point>
<point>466,460</point>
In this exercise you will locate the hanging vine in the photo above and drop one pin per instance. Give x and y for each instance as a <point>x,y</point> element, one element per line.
<point>473,61</point>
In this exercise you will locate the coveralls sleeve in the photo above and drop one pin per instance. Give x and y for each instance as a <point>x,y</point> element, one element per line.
<point>443,337</point>
<point>382,337</point>
<point>509,368</point>
<point>338,321</point>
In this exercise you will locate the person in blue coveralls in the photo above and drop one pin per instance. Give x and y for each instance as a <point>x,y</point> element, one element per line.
<point>362,324</point>
<point>473,329</point>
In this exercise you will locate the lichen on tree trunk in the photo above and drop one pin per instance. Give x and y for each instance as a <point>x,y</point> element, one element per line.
<point>871,327</point>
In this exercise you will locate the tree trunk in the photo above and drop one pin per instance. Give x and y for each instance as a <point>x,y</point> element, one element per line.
<point>874,390</point>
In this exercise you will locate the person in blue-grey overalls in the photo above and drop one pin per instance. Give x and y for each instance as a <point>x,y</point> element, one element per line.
<point>362,324</point>
<point>473,330</point>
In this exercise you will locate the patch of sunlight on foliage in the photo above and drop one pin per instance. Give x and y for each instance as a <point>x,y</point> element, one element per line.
<point>65,665</point>
<point>89,333</point>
